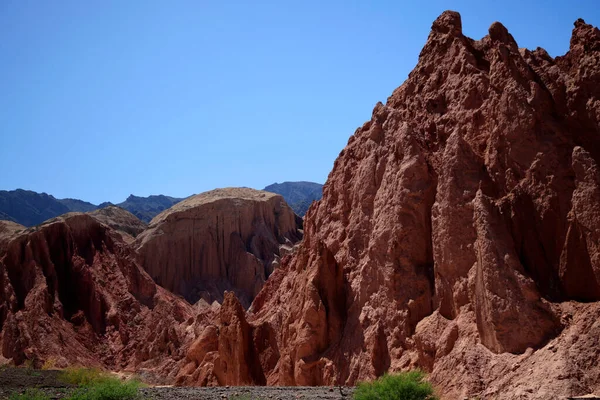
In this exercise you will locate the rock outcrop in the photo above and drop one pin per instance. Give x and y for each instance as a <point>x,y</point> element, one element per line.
<point>224,353</point>
<point>120,220</point>
<point>225,239</point>
<point>8,229</point>
<point>73,294</point>
<point>458,232</point>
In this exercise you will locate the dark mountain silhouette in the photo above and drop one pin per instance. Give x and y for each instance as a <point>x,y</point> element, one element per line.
<point>299,195</point>
<point>30,208</point>
<point>146,208</point>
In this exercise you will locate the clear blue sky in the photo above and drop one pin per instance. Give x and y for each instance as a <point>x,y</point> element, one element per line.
<point>100,99</point>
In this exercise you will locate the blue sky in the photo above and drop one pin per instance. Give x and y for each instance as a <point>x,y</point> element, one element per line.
<point>101,99</point>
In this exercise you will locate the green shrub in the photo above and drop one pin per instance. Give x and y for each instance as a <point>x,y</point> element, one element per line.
<point>50,363</point>
<point>30,394</point>
<point>403,386</point>
<point>110,389</point>
<point>97,385</point>
<point>82,376</point>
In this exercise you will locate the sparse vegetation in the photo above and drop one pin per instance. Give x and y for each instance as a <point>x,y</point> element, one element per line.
<point>403,386</point>
<point>108,389</point>
<point>83,376</point>
<point>30,368</point>
<point>241,397</point>
<point>50,363</point>
<point>95,384</point>
<point>30,394</point>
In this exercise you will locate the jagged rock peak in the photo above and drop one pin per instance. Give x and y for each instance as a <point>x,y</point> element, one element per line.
<point>498,32</point>
<point>458,231</point>
<point>448,22</point>
<point>585,34</point>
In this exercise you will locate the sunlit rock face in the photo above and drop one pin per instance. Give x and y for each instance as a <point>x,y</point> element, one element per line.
<point>458,232</point>
<point>225,239</point>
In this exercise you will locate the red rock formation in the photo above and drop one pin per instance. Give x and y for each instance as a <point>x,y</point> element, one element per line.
<point>456,231</point>
<point>121,220</point>
<point>225,239</point>
<point>230,353</point>
<point>73,293</point>
<point>8,229</point>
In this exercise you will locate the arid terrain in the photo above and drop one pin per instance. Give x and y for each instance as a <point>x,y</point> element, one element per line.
<point>458,233</point>
<point>17,380</point>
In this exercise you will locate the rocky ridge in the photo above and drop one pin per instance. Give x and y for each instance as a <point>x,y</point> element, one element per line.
<point>458,232</point>
<point>120,220</point>
<point>30,208</point>
<point>224,239</point>
<point>8,229</point>
<point>73,294</point>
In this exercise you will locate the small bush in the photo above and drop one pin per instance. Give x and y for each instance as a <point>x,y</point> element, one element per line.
<point>111,389</point>
<point>83,376</point>
<point>50,363</point>
<point>403,386</point>
<point>97,385</point>
<point>30,394</point>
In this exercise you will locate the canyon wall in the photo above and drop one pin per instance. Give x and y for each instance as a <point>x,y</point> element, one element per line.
<point>73,294</point>
<point>458,232</point>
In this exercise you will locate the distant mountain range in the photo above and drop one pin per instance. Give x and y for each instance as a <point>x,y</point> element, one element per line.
<point>146,208</point>
<point>30,208</point>
<point>298,195</point>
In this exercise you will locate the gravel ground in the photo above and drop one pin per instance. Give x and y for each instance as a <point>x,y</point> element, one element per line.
<point>249,393</point>
<point>17,380</point>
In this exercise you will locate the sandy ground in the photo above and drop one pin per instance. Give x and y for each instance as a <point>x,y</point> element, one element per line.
<point>17,380</point>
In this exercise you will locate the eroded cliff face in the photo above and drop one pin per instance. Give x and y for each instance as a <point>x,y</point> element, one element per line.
<point>73,294</point>
<point>458,232</point>
<point>225,239</point>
